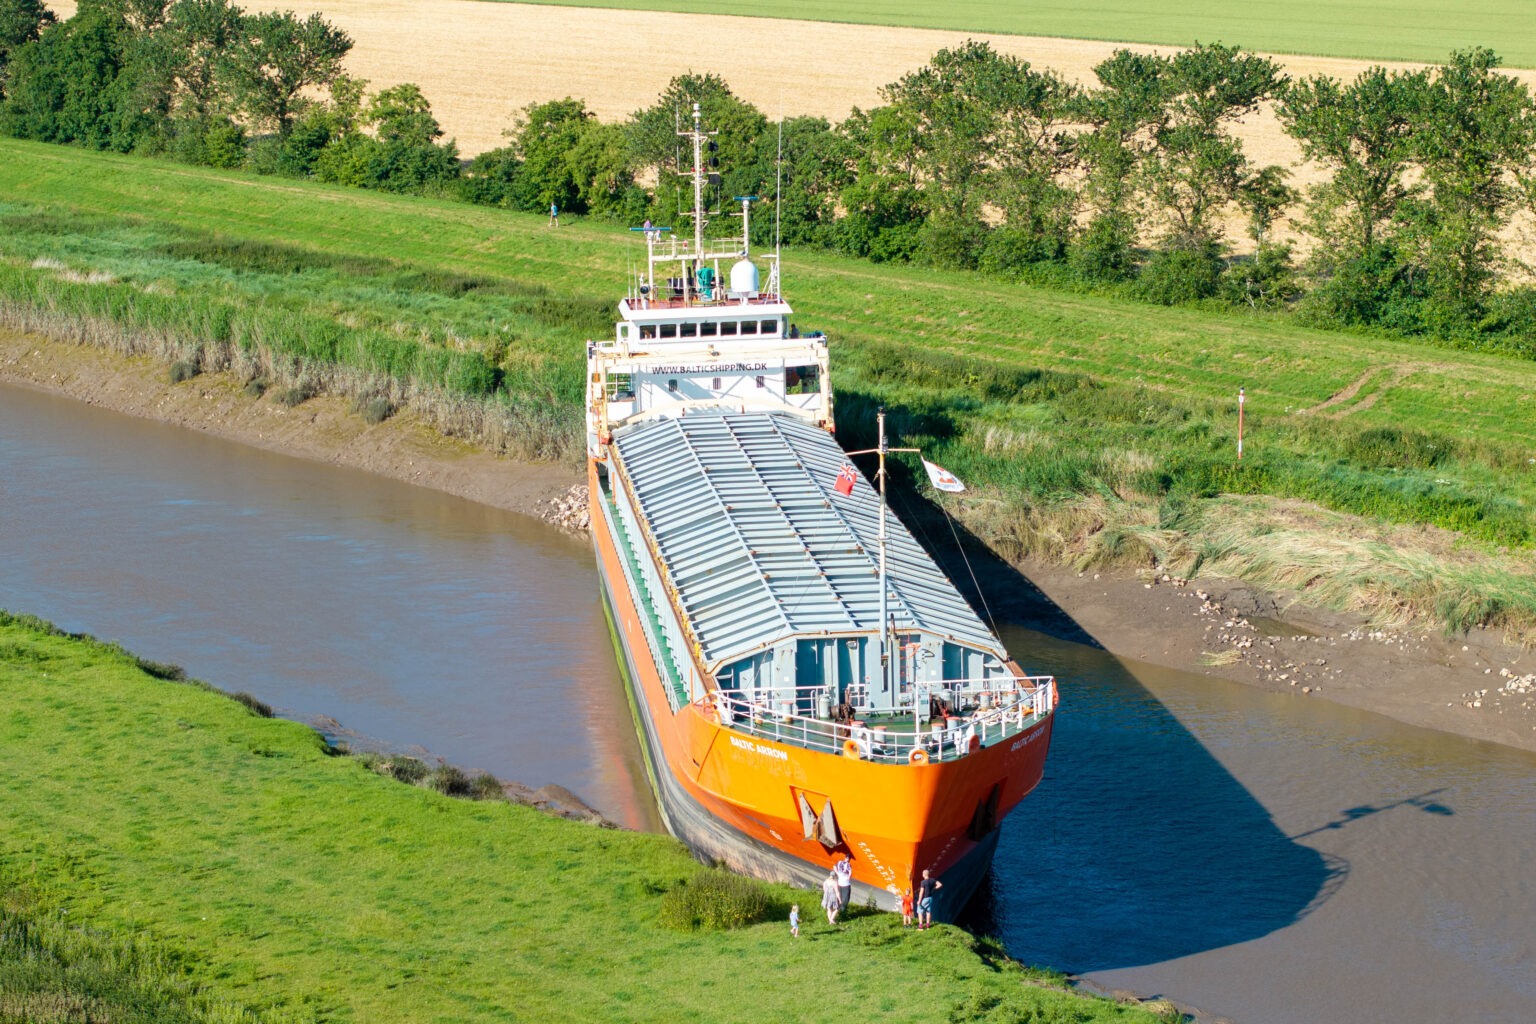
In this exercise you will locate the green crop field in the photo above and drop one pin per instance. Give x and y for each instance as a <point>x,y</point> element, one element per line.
<point>1371,29</point>
<point>1091,428</point>
<point>170,856</point>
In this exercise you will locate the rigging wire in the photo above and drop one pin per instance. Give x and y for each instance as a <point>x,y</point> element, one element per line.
<point>911,516</point>
<point>980,596</point>
<point>778,194</point>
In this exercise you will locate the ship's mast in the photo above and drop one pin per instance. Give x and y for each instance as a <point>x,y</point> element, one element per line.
<point>698,183</point>
<point>887,638</point>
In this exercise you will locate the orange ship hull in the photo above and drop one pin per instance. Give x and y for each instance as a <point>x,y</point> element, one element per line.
<point>736,798</point>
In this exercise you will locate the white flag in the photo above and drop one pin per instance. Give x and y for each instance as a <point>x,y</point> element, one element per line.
<point>942,478</point>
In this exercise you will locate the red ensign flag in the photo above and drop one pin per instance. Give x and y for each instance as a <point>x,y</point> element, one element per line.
<point>845,477</point>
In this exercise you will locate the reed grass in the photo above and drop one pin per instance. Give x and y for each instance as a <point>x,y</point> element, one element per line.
<point>229,865</point>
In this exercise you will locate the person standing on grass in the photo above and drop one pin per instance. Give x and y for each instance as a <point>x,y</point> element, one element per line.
<point>906,908</point>
<point>794,920</point>
<point>829,900</point>
<point>925,892</point>
<point>554,215</point>
<point>843,869</point>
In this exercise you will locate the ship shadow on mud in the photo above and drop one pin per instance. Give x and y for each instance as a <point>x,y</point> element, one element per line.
<point>1138,846</point>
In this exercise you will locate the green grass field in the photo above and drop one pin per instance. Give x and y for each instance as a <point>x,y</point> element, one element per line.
<point>1372,29</point>
<point>174,856</point>
<point>1043,400</point>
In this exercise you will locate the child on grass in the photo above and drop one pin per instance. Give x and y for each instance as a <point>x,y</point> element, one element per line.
<point>906,908</point>
<point>794,920</point>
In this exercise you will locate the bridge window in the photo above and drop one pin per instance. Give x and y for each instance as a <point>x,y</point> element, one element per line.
<point>769,327</point>
<point>708,328</point>
<point>728,327</point>
<point>802,380</point>
<point>749,327</point>
<point>647,330</point>
<point>689,330</point>
<point>669,330</point>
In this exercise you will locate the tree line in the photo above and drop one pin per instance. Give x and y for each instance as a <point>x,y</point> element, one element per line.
<point>977,161</point>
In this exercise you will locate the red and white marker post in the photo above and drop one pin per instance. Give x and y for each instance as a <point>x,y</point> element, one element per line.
<point>1241,398</point>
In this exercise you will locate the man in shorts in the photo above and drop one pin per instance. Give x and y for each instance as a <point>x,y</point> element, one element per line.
<point>925,892</point>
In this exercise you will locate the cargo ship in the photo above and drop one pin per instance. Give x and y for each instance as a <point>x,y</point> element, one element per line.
<point>806,682</point>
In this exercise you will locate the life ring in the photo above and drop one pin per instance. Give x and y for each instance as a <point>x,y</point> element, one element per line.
<point>851,749</point>
<point>918,756</point>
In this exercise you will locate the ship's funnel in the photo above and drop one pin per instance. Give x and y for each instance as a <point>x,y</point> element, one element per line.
<point>744,280</point>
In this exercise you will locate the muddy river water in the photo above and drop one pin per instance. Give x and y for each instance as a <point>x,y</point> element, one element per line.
<point>1259,857</point>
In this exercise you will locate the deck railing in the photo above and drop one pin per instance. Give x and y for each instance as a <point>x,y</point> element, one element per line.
<point>980,713</point>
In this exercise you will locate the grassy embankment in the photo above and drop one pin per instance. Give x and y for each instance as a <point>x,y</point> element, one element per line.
<point>170,856</point>
<point>1093,430</point>
<point>1370,29</point>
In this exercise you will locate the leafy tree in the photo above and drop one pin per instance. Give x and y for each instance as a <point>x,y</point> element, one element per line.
<point>982,139</point>
<point>1363,133</point>
<point>21,22</point>
<point>798,168</point>
<point>68,85</point>
<point>322,124</point>
<point>276,58</point>
<point>198,32</point>
<point>491,179</point>
<point>1196,168</point>
<point>656,147</point>
<point>883,204</point>
<point>410,158</point>
<point>1476,133</point>
<point>545,136</point>
<point>402,154</point>
<point>601,166</point>
<point>1120,116</point>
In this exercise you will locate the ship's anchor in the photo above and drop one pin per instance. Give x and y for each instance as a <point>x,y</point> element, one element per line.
<point>820,827</point>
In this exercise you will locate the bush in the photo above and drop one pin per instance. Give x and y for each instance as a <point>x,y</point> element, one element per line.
<point>161,670</point>
<point>714,900</point>
<point>1104,251</point>
<point>486,786</point>
<point>256,387</point>
<point>492,177</point>
<point>298,394</point>
<point>184,370</point>
<point>951,243</point>
<point>449,781</point>
<point>1264,281</point>
<point>1009,251</point>
<point>1176,276</point>
<point>260,708</point>
<point>401,769</point>
<point>374,410</point>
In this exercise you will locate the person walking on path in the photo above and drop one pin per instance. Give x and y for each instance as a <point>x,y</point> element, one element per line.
<point>925,892</point>
<point>794,920</point>
<point>554,215</point>
<point>843,869</point>
<point>829,900</point>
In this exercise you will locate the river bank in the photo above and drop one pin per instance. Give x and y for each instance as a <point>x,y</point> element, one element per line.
<point>1474,685</point>
<point>280,882</point>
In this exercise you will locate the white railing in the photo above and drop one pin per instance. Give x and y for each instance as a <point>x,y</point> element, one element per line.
<point>979,713</point>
